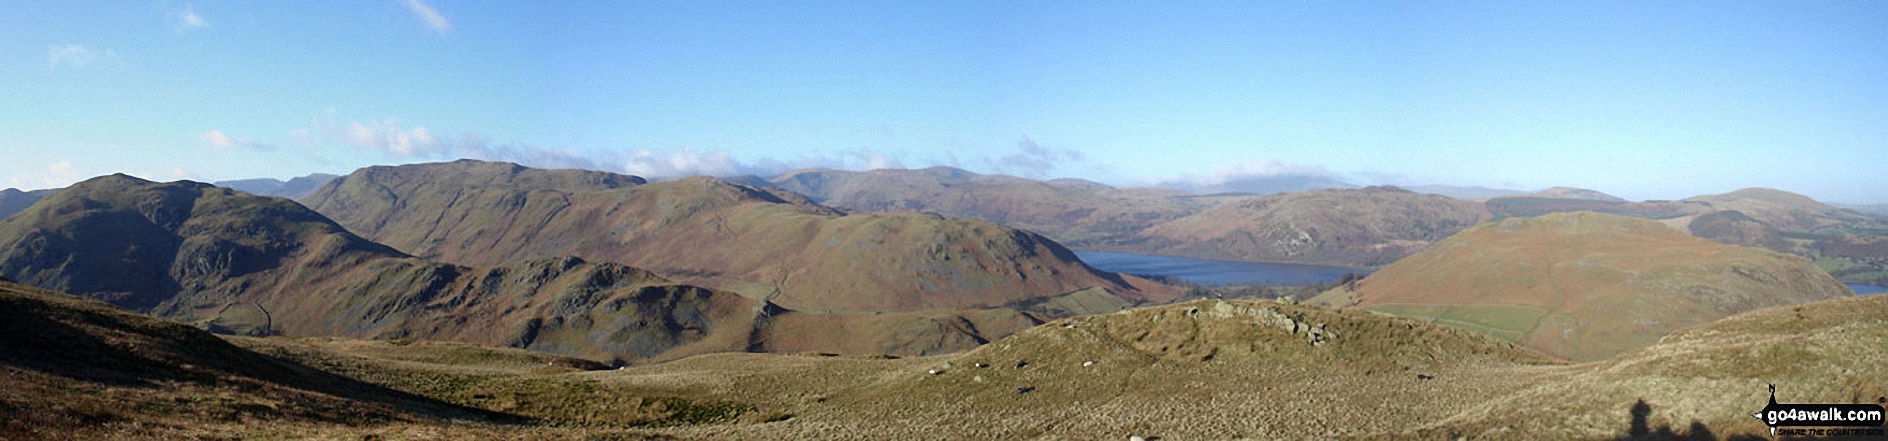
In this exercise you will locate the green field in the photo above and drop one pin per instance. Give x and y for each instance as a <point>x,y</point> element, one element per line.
<point>1508,323</point>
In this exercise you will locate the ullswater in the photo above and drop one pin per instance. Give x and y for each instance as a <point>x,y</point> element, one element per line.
<point>1215,272</point>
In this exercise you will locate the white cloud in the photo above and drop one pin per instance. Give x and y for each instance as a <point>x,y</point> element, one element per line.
<point>1263,169</point>
<point>57,175</point>
<point>76,56</point>
<point>216,138</point>
<point>429,16</point>
<point>389,137</point>
<point>187,20</point>
<point>1035,161</point>
<point>684,162</point>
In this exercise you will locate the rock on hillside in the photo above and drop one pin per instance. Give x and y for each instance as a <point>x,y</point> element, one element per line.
<point>1368,226</point>
<point>1587,286</point>
<point>1072,211</point>
<point>805,256</point>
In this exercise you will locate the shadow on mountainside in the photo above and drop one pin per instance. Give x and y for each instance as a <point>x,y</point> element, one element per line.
<point>1640,430</point>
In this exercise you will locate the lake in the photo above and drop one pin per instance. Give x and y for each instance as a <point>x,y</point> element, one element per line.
<point>1215,272</point>
<point>1866,289</point>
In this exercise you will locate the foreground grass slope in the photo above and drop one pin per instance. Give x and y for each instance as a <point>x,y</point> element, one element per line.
<point>1204,369</point>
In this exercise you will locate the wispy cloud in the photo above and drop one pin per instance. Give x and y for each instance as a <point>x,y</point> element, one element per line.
<point>57,175</point>
<point>390,137</point>
<point>1034,160</point>
<point>186,20</point>
<point>428,16</point>
<point>684,162</point>
<point>216,138</point>
<point>77,56</point>
<point>1262,176</point>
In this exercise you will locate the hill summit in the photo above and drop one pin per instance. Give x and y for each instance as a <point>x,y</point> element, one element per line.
<point>1585,285</point>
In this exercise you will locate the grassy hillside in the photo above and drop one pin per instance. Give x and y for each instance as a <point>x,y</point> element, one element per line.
<point>709,231</point>
<point>1587,286</point>
<point>1369,226</point>
<point>1077,213</point>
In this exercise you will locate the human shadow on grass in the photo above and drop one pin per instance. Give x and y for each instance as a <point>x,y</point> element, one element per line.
<point>1641,430</point>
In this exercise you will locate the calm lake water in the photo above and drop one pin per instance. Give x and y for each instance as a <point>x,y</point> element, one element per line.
<point>1215,272</point>
<point>1866,289</point>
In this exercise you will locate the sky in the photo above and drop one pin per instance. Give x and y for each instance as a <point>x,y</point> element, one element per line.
<point>1656,99</point>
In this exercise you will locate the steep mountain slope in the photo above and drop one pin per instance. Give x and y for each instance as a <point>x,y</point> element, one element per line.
<point>1369,226</point>
<point>13,200</point>
<point>765,242</point>
<point>1073,212</point>
<point>1587,286</point>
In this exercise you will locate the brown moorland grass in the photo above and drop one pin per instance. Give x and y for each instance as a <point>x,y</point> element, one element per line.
<point>1205,369</point>
<point>1606,284</point>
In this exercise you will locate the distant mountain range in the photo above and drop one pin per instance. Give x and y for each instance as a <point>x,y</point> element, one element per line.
<point>293,188</point>
<point>1367,227</point>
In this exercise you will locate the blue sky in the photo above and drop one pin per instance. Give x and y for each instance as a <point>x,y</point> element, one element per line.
<point>1645,100</point>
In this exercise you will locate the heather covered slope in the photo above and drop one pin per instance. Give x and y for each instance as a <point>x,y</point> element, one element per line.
<point>1368,226</point>
<point>1588,286</point>
<point>807,257</point>
<point>1077,213</point>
